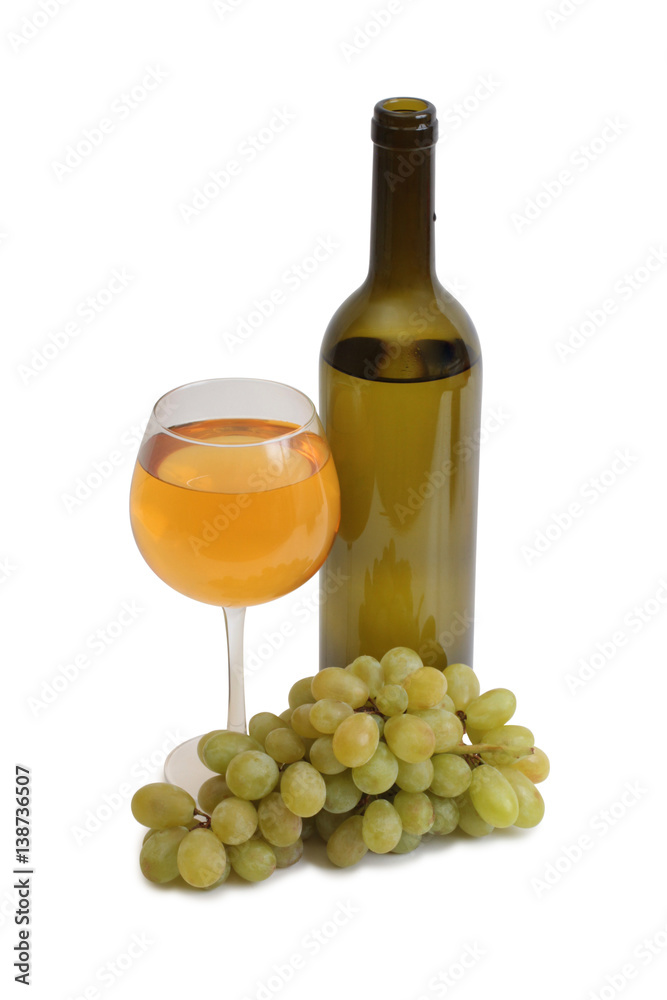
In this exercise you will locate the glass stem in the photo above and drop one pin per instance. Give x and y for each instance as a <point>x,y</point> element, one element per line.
<point>234,619</point>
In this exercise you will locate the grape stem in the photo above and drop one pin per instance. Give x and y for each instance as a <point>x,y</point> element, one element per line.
<point>465,749</point>
<point>205,821</point>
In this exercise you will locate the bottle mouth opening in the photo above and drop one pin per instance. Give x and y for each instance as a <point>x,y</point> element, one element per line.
<point>404,123</point>
<point>404,104</point>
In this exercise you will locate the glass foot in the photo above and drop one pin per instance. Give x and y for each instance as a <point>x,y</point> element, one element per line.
<point>184,768</point>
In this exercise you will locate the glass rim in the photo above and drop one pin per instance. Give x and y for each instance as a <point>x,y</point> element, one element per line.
<point>250,444</point>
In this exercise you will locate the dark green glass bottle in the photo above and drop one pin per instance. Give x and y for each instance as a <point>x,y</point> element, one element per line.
<point>400,398</point>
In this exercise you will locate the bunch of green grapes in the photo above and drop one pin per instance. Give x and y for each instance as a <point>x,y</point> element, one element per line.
<point>371,758</point>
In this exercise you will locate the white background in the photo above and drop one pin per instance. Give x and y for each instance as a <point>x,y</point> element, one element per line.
<point>550,87</point>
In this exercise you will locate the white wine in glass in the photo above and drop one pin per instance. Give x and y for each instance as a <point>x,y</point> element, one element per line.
<point>234,502</point>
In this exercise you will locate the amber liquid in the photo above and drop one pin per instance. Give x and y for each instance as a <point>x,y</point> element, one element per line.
<point>235,526</point>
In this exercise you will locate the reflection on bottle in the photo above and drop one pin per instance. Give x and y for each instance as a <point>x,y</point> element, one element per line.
<point>387,615</point>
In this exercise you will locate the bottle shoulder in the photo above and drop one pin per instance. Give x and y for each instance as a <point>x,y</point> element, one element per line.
<point>401,333</point>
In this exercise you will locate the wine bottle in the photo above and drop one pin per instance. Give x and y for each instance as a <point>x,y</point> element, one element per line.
<point>400,397</point>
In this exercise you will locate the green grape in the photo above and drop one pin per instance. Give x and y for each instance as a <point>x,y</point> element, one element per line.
<point>531,803</point>
<point>202,742</point>
<point>340,685</point>
<point>408,842</point>
<point>381,827</point>
<point>368,669</point>
<point>253,861</point>
<point>447,727</point>
<point>261,725</point>
<point>345,846</point>
<point>161,805</point>
<point>414,777</point>
<point>323,758</point>
<point>378,774</point>
<point>426,687</point>
<point>341,792</point>
<point>398,663</point>
<point>379,721</point>
<point>446,703</point>
<point>300,693</point>
<point>302,788</point>
<point>355,741</point>
<point>158,855</point>
<point>327,822</point>
<point>513,737</point>
<point>469,819</point>
<point>433,655</point>
<point>287,856</point>
<point>286,714</point>
<point>149,833</point>
<point>234,820</point>
<point>493,797</point>
<point>409,738</point>
<point>308,828</point>
<point>474,735</point>
<point>536,766</point>
<point>327,714</point>
<point>252,774</point>
<point>225,874</point>
<point>279,826</point>
<point>201,858</point>
<point>446,815</point>
<point>491,709</point>
<point>301,724</point>
<point>220,748</point>
<point>213,790</point>
<point>392,699</point>
<point>451,775</point>
<point>285,746</point>
<point>416,811</point>
<point>462,685</point>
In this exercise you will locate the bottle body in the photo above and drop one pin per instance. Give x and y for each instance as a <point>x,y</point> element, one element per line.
<point>400,398</point>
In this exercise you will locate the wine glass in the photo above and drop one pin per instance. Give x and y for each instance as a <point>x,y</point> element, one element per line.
<point>234,502</point>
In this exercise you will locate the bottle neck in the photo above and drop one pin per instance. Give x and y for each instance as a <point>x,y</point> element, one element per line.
<point>402,226</point>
